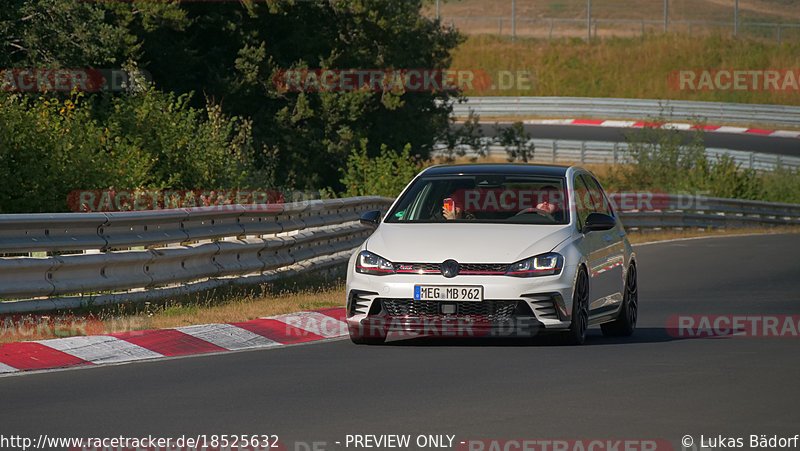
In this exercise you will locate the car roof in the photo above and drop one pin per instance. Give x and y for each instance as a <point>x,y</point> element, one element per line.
<point>504,169</point>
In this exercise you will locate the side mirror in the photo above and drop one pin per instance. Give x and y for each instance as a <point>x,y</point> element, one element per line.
<point>599,221</point>
<point>371,218</point>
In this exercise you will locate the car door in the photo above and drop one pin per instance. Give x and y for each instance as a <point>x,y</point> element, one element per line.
<point>590,244</point>
<point>606,256</point>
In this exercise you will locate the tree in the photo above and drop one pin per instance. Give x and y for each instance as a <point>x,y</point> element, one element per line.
<point>516,140</point>
<point>59,34</point>
<point>216,61</point>
<point>233,52</point>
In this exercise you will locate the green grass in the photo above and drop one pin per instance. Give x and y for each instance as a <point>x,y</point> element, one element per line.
<point>626,67</point>
<point>709,10</point>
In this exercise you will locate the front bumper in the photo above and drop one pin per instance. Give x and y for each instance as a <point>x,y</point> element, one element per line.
<point>539,303</point>
<point>441,326</point>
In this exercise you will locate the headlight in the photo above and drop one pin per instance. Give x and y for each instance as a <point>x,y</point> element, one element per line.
<point>548,264</point>
<point>369,263</point>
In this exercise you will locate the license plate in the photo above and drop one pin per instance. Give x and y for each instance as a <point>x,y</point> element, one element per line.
<point>448,293</point>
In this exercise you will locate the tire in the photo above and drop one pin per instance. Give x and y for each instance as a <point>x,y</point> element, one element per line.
<point>576,334</point>
<point>368,340</point>
<point>360,338</point>
<point>625,323</point>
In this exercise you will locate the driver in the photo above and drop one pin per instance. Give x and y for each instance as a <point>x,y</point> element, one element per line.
<point>550,200</point>
<point>550,203</point>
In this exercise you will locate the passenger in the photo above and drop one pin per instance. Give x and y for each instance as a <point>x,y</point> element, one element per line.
<point>452,209</point>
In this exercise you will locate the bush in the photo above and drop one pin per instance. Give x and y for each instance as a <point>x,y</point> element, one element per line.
<point>660,160</point>
<point>782,185</point>
<point>149,140</point>
<point>385,175</point>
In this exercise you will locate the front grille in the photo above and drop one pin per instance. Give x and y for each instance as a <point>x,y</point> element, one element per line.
<point>466,269</point>
<point>491,310</point>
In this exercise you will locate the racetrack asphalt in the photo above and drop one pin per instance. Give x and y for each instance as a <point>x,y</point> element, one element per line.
<point>652,385</point>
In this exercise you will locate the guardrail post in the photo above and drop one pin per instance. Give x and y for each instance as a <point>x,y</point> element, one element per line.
<point>614,152</point>
<point>752,160</point>
<point>500,26</point>
<point>779,33</point>
<point>583,152</point>
<point>555,150</point>
<point>550,35</point>
<point>589,20</point>
<point>513,20</point>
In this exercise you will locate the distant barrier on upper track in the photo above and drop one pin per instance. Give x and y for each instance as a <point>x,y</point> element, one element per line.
<point>563,151</point>
<point>609,108</point>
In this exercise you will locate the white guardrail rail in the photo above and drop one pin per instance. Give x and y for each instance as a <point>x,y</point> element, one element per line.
<point>610,152</point>
<point>609,108</point>
<point>69,260</point>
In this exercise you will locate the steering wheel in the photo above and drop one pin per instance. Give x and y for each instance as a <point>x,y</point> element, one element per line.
<point>537,211</point>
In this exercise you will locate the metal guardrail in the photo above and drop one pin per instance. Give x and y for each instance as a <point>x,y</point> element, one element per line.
<point>609,108</point>
<point>191,250</point>
<point>605,152</point>
<point>93,257</point>
<point>676,211</point>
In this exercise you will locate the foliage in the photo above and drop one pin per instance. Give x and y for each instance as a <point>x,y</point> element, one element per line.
<point>457,140</point>
<point>151,140</point>
<point>384,175</point>
<point>516,140</point>
<point>59,34</point>
<point>236,51</point>
<point>660,160</point>
<point>661,156</point>
<point>243,128</point>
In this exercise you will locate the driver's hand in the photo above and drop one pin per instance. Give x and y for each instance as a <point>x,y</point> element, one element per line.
<point>450,215</point>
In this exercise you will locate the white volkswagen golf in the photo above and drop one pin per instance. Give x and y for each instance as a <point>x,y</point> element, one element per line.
<point>494,250</point>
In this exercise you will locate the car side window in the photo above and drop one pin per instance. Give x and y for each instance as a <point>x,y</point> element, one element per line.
<point>599,201</point>
<point>583,200</point>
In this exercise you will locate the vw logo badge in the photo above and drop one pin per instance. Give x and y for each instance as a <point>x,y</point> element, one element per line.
<point>450,268</point>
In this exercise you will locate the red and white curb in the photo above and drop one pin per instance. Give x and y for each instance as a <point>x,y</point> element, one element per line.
<point>670,125</point>
<point>153,344</point>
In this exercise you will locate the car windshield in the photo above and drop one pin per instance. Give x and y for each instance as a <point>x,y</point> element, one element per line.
<point>493,198</point>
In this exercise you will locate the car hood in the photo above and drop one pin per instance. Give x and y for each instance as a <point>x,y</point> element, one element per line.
<point>465,243</point>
